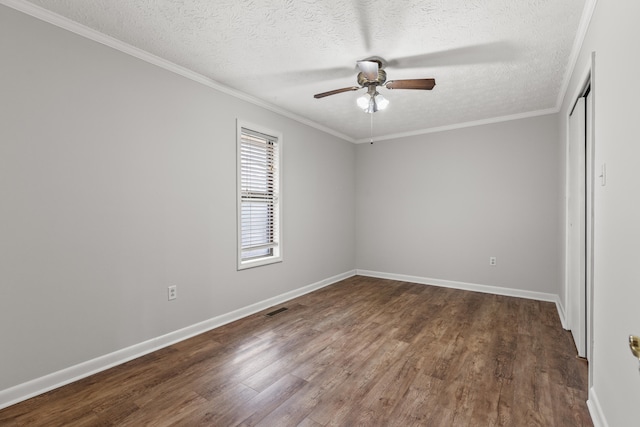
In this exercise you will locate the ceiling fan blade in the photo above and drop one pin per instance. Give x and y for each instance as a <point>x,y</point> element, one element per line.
<point>335,91</point>
<point>423,84</point>
<point>369,69</point>
<point>482,53</point>
<point>364,22</point>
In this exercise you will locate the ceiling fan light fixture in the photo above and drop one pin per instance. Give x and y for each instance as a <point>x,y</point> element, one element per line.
<point>370,103</point>
<point>363,101</point>
<point>380,101</point>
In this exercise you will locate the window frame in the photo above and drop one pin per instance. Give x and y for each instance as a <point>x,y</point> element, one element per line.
<point>276,255</point>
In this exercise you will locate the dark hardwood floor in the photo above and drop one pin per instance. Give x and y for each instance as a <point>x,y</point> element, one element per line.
<point>362,352</point>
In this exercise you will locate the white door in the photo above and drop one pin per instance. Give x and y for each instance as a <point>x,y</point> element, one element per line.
<point>576,251</point>
<point>590,182</point>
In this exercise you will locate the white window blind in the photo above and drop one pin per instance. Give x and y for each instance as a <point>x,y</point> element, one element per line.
<point>259,177</point>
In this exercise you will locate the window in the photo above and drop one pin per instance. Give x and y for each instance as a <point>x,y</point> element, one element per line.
<point>259,202</point>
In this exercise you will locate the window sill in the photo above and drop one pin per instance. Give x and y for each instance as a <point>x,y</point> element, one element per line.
<point>243,265</point>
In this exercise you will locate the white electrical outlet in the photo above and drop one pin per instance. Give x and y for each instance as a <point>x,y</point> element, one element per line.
<point>173,292</point>
<point>492,260</point>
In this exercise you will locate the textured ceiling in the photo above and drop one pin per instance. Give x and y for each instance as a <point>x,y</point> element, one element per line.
<point>490,58</point>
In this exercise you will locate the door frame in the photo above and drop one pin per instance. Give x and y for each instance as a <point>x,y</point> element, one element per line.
<point>586,86</point>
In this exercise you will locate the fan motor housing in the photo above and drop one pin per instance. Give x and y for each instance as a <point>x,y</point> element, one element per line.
<point>364,81</point>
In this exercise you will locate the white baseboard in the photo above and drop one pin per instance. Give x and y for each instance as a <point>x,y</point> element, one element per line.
<point>496,290</point>
<point>57,379</point>
<point>562,313</point>
<point>597,416</point>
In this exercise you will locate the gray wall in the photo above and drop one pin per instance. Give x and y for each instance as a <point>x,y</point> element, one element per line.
<point>439,205</point>
<point>613,35</point>
<point>117,179</point>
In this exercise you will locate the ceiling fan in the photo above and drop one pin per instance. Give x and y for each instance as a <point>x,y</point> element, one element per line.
<point>371,76</point>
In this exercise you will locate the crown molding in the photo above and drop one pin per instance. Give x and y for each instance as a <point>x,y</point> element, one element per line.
<point>91,34</point>
<point>462,125</point>
<point>585,21</point>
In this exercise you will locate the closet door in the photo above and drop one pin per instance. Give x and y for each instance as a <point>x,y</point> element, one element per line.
<point>576,262</point>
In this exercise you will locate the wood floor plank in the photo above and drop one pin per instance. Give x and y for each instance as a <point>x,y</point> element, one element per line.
<point>167,411</point>
<point>363,351</point>
<point>263,404</point>
<point>307,422</point>
<point>337,405</point>
<point>297,408</point>
<point>414,407</point>
<point>378,404</point>
<point>308,350</point>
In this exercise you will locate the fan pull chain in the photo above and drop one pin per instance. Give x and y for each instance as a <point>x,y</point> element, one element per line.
<point>371,128</point>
